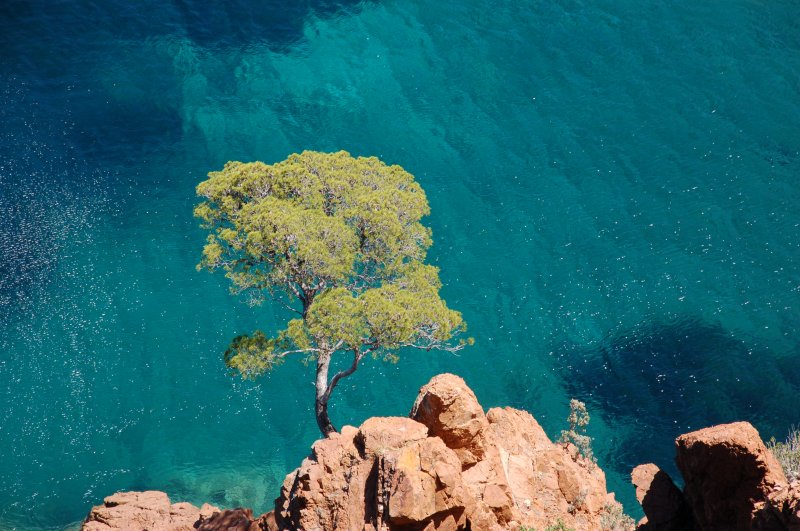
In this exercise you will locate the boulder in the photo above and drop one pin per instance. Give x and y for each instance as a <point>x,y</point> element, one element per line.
<point>728,474</point>
<point>384,475</point>
<point>151,510</point>
<point>664,506</point>
<point>547,482</point>
<point>451,412</point>
<point>783,506</point>
<point>379,434</point>
<point>448,467</point>
<point>451,466</point>
<point>230,520</point>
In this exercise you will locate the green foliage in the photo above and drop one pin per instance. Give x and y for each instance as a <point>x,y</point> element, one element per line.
<point>614,519</point>
<point>336,239</point>
<point>579,502</point>
<point>788,453</point>
<point>578,419</point>
<point>558,526</point>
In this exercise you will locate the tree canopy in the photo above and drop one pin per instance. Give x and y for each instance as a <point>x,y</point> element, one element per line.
<point>338,241</point>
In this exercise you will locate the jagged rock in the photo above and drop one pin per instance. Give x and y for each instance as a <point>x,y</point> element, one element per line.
<point>547,481</point>
<point>452,467</point>
<point>235,520</point>
<point>783,506</point>
<point>151,510</point>
<point>457,468</point>
<point>388,473</point>
<point>729,474</point>
<point>379,434</point>
<point>451,412</point>
<point>664,506</point>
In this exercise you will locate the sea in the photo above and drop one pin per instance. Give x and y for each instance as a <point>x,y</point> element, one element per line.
<point>615,205</point>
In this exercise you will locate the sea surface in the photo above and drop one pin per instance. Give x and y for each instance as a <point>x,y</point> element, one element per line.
<point>615,194</point>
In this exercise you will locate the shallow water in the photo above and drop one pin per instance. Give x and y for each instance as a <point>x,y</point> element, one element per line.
<point>614,207</point>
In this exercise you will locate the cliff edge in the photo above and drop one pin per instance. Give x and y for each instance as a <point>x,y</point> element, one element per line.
<point>452,466</point>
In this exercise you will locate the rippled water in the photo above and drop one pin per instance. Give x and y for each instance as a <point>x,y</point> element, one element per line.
<point>614,203</point>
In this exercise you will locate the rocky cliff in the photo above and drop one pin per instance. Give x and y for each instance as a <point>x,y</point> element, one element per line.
<point>450,465</point>
<point>732,481</point>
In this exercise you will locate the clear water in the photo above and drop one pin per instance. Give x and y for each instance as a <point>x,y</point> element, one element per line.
<point>614,200</point>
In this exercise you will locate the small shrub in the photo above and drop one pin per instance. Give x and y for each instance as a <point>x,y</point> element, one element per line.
<point>579,502</point>
<point>578,419</point>
<point>558,526</point>
<point>613,519</point>
<point>788,453</point>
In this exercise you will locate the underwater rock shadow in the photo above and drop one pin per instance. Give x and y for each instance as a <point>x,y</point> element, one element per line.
<point>93,64</point>
<point>235,23</point>
<point>239,23</point>
<point>664,379</point>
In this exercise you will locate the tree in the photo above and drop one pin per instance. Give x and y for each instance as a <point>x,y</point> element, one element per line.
<point>338,241</point>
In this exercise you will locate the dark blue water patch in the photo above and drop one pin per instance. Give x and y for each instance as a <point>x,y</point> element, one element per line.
<point>121,78</point>
<point>660,380</point>
<point>240,22</point>
<point>43,36</point>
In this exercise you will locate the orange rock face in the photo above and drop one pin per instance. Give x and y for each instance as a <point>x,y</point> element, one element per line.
<point>729,474</point>
<point>451,466</point>
<point>151,510</point>
<point>663,503</point>
<point>451,412</point>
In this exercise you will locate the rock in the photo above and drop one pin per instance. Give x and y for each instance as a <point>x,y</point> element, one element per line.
<point>663,503</point>
<point>380,434</point>
<point>729,474</point>
<point>229,520</point>
<point>322,493</point>
<point>453,467</point>
<point>451,412</point>
<point>422,481</point>
<point>546,481</point>
<point>450,466</point>
<point>783,506</point>
<point>151,510</point>
<point>387,473</point>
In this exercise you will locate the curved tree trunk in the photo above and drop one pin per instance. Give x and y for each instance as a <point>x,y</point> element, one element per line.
<point>322,395</point>
<point>325,387</point>
<point>323,420</point>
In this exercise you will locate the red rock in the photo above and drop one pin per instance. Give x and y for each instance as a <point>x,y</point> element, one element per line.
<point>379,434</point>
<point>151,510</point>
<point>451,412</point>
<point>450,467</point>
<point>663,503</point>
<point>729,474</point>
<point>228,520</point>
<point>547,481</point>
<point>783,506</point>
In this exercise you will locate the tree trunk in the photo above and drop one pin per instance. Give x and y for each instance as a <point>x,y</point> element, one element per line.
<point>321,402</point>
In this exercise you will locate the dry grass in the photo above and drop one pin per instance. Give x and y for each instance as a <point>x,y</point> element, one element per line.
<point>788,453</point>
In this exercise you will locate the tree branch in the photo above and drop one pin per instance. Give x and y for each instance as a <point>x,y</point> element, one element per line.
<point>298,351</point>
<point>357,355</point>
<point>435,346</point>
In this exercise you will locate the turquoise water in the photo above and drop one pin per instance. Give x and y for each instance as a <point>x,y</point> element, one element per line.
<point>615,210</point>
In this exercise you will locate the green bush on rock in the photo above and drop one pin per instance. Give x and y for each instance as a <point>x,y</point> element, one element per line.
<point>578,419</point>
<point>788,454</point>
